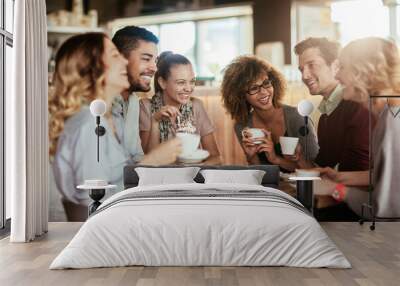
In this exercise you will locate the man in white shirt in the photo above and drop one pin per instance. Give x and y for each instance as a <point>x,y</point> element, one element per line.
<point>139,47</point>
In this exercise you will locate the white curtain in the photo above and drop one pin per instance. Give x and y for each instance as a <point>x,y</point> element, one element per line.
<point>26,129</point>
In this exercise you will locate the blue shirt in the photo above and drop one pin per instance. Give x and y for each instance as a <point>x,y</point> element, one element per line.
<point>76,157</point>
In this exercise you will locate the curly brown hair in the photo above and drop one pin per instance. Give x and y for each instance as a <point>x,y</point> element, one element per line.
<point>239,75</point>
<point>77,80</point>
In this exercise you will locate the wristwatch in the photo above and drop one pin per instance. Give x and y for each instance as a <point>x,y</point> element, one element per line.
<point>339,192</point>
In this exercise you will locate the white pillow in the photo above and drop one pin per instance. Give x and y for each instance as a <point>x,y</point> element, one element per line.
<point>248,177</point>
<point>164,176</point>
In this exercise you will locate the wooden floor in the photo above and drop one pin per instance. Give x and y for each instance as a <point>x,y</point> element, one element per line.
<point>374,255</point>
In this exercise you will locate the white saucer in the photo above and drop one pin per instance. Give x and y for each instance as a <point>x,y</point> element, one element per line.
<point>92,187</point>
<point>286,176</point>
<point>195,157</point>
<point>305,178</point>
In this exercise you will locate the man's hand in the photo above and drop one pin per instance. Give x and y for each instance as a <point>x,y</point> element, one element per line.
<point>329,173</point>
<point>166,153</point>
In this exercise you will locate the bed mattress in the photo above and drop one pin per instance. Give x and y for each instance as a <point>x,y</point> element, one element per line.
<point>201,225</point>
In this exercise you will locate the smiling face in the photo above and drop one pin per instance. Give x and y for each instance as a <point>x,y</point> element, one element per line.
<point>347,78</point>
<point>261,93</point>
<point>115,72</point>
<point>316,73</point>
<point>142,65</point>
<point>179,85</point>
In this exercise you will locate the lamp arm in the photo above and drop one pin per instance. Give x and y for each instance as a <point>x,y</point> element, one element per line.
<point>98,136</point>
<point>304,131</point>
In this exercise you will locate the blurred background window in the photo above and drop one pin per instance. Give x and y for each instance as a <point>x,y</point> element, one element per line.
<point>179,38</point>
<point>218,44</point>
<point>210,39</point>
<point>209,44</point>
<point>343,21</point>
<point>353,24</point>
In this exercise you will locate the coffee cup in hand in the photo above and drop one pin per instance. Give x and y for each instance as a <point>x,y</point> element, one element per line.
<point>190,142</point>
<point>288,145</point>
<point>253,133</point>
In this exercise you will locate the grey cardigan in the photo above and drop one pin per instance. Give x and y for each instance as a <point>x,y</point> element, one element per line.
<point>386,158</point>
<point>385,172</point>
<point>293,122</point>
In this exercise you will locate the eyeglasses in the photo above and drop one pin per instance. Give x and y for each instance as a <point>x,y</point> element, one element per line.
<point>257,88</point>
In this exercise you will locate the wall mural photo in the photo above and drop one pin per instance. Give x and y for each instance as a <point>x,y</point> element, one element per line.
<point>117,100</point>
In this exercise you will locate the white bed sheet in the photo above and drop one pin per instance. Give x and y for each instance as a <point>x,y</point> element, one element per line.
<point>200,231</point>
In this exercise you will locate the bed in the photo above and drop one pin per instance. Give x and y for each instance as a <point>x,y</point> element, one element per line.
<point>201,224</point>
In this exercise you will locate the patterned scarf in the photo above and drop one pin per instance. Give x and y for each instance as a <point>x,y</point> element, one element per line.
<point>166,126</point>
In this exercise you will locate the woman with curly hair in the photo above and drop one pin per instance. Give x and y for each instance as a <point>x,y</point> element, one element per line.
<point>252,92</point>
<point>371,67</point>
<point>89,66</point>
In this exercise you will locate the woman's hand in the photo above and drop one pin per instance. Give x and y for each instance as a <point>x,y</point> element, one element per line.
<point>249,147</point>
<point>267,145</point>
<point>297,156</point>
<point>166,112</point>
<point>163,154</point>
<point>298,159</point>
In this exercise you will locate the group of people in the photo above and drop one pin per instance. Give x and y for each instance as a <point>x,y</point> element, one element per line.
<point>252,92</point>
<point>91,66</point>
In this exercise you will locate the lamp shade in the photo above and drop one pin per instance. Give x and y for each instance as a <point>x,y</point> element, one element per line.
<point>305,107</point>
<point>98,107</point>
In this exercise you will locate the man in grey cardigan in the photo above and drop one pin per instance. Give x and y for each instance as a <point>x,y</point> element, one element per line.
<point>139,47</point>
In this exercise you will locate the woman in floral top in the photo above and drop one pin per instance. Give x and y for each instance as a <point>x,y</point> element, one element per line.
<point>172,108</point>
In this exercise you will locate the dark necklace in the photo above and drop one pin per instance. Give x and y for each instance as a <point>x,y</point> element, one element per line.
<point>391,111</point>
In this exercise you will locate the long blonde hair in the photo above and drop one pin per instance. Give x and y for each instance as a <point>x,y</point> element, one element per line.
<point>374,64</point>
<point>77,80</point>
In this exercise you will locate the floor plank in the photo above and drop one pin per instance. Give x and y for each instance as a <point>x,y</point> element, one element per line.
<point>374,255</point>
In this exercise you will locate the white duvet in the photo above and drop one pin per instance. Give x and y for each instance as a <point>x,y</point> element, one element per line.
<point>207,230</point>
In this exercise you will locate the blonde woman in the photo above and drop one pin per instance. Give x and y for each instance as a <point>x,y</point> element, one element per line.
<point>371,67</point>
<point>89,66</point>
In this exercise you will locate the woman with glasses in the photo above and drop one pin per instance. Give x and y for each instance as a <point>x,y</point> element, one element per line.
<point>173,108</point>
<point>252,92</point>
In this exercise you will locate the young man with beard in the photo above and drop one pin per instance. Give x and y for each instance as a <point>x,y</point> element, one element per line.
<point>139,47</point>
<point>343,128</point>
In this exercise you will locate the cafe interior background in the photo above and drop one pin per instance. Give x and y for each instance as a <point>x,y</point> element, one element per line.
<point>213,32</point>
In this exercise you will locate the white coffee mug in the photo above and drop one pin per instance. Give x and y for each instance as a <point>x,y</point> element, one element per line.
<point>255,133</point>
<point>288,144</point>
<point>190,142</point>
